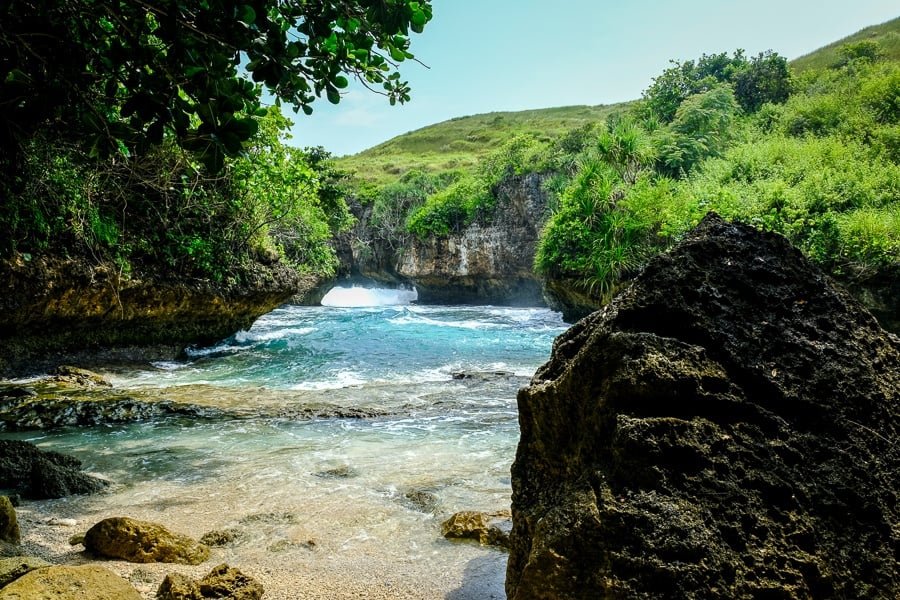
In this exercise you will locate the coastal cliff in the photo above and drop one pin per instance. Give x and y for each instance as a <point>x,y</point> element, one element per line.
<point>57,309</point>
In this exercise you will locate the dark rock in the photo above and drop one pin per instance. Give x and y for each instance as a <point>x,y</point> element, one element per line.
<point>488,529</point>
<point>86,582</point>
<point>143,542</point>
<point>9,524</point>
<point>726,427</point>
<point>178,587</point>
<point>227,582</point>
<point>13,568</point>
<point>41,474</point>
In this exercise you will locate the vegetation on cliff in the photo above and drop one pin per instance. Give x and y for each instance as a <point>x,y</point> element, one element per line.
<point>135,134</point>
<point>811,151</point>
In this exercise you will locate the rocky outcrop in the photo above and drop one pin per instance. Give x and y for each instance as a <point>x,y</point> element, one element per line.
<point>726,427</point>
<point>88,582</point>
<point>40,474</point>
<point>65,310</point>
<point>488,262</point>
<point>143,542</point>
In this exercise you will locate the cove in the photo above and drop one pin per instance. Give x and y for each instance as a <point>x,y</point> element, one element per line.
<point>335,506</point>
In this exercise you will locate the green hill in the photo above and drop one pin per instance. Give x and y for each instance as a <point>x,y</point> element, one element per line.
<point>462,142</point>
<point>886,35</point>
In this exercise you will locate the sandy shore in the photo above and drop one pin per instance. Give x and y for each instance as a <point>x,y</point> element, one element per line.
<point>292,553</point>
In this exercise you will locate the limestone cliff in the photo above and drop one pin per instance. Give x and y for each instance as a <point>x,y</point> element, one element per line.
<point>56,309</point>
<point>725,428</point>
<point>488,262</point>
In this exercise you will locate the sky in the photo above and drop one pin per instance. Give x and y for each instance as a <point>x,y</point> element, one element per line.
<point>504,55</point>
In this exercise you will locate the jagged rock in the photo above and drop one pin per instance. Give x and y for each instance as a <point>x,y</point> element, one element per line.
<point>227,582</point>
<point>220,537</point>
<point>41,474</point>
<point>726,427</point>
<point>489,529</point>
<point>9,525</point>
<point>143,542</point>
<point>178,587</point>
<point>87,582</point>
<point>13,568</point>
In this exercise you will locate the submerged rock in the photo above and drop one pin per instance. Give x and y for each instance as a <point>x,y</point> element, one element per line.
<point>143,542</point>
<point>489,529</point>
<point>9,524</point>
<point>41,474</point>
<point>82,377</point>
<point>87,582</point>
<point>726,427</point>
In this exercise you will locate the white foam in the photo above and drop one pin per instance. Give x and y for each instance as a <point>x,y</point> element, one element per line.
<point>361,296</point>
<point>251,336</point>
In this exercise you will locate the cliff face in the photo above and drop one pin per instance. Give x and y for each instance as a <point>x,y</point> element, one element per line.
<point>489,263</point>
<point>726,427</point>
<point>59,309</point>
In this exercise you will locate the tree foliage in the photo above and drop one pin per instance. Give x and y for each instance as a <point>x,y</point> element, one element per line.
<point>123,73</point>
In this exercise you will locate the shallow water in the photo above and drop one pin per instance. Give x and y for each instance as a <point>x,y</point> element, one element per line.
<point>333,493</point>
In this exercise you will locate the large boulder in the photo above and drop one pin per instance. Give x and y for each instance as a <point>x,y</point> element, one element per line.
<point>143,542</point>
<point>726,427</point>
<point>88,582</point>
<point>40,474</point>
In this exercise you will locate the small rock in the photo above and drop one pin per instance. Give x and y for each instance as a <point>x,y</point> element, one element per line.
<point>490,529</point>
<point>67,374</point>
<point>13,568</point>
<point>178,587</point>
<point>86,582</point>
<point>61,522</point>
<point>143,542</point>
<point>228,582</point>
<point>9,525</point>
<point>421,500</point>
<point>220,537</point>
<point>76,539</point>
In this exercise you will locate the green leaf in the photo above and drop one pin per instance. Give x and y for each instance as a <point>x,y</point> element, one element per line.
<point>307,109</point>
<point>333,96</point>
<point>244,128</point>
<point>340,81</point>
<point>418,19</point>
<point>397,54</point>
<point>246,14</point>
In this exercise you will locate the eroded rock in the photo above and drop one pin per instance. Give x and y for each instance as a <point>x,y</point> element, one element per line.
<point>178,587</point>
<point>143,542</point>
<point>489,529</point>
<point>87,582</point>
<point>40,474</point>
<point>726,427</point>
<point>227,582</point>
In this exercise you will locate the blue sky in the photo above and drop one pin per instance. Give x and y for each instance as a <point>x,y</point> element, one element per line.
<point>498,55</point>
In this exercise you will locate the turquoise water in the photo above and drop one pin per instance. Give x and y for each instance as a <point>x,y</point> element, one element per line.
<point>441,382</point>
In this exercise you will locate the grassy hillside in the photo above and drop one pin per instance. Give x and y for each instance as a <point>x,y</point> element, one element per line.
<point>462,142</point>
<point>886,35</point>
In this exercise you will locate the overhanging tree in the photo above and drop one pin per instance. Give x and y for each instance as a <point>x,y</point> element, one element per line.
<point>122,74</point>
